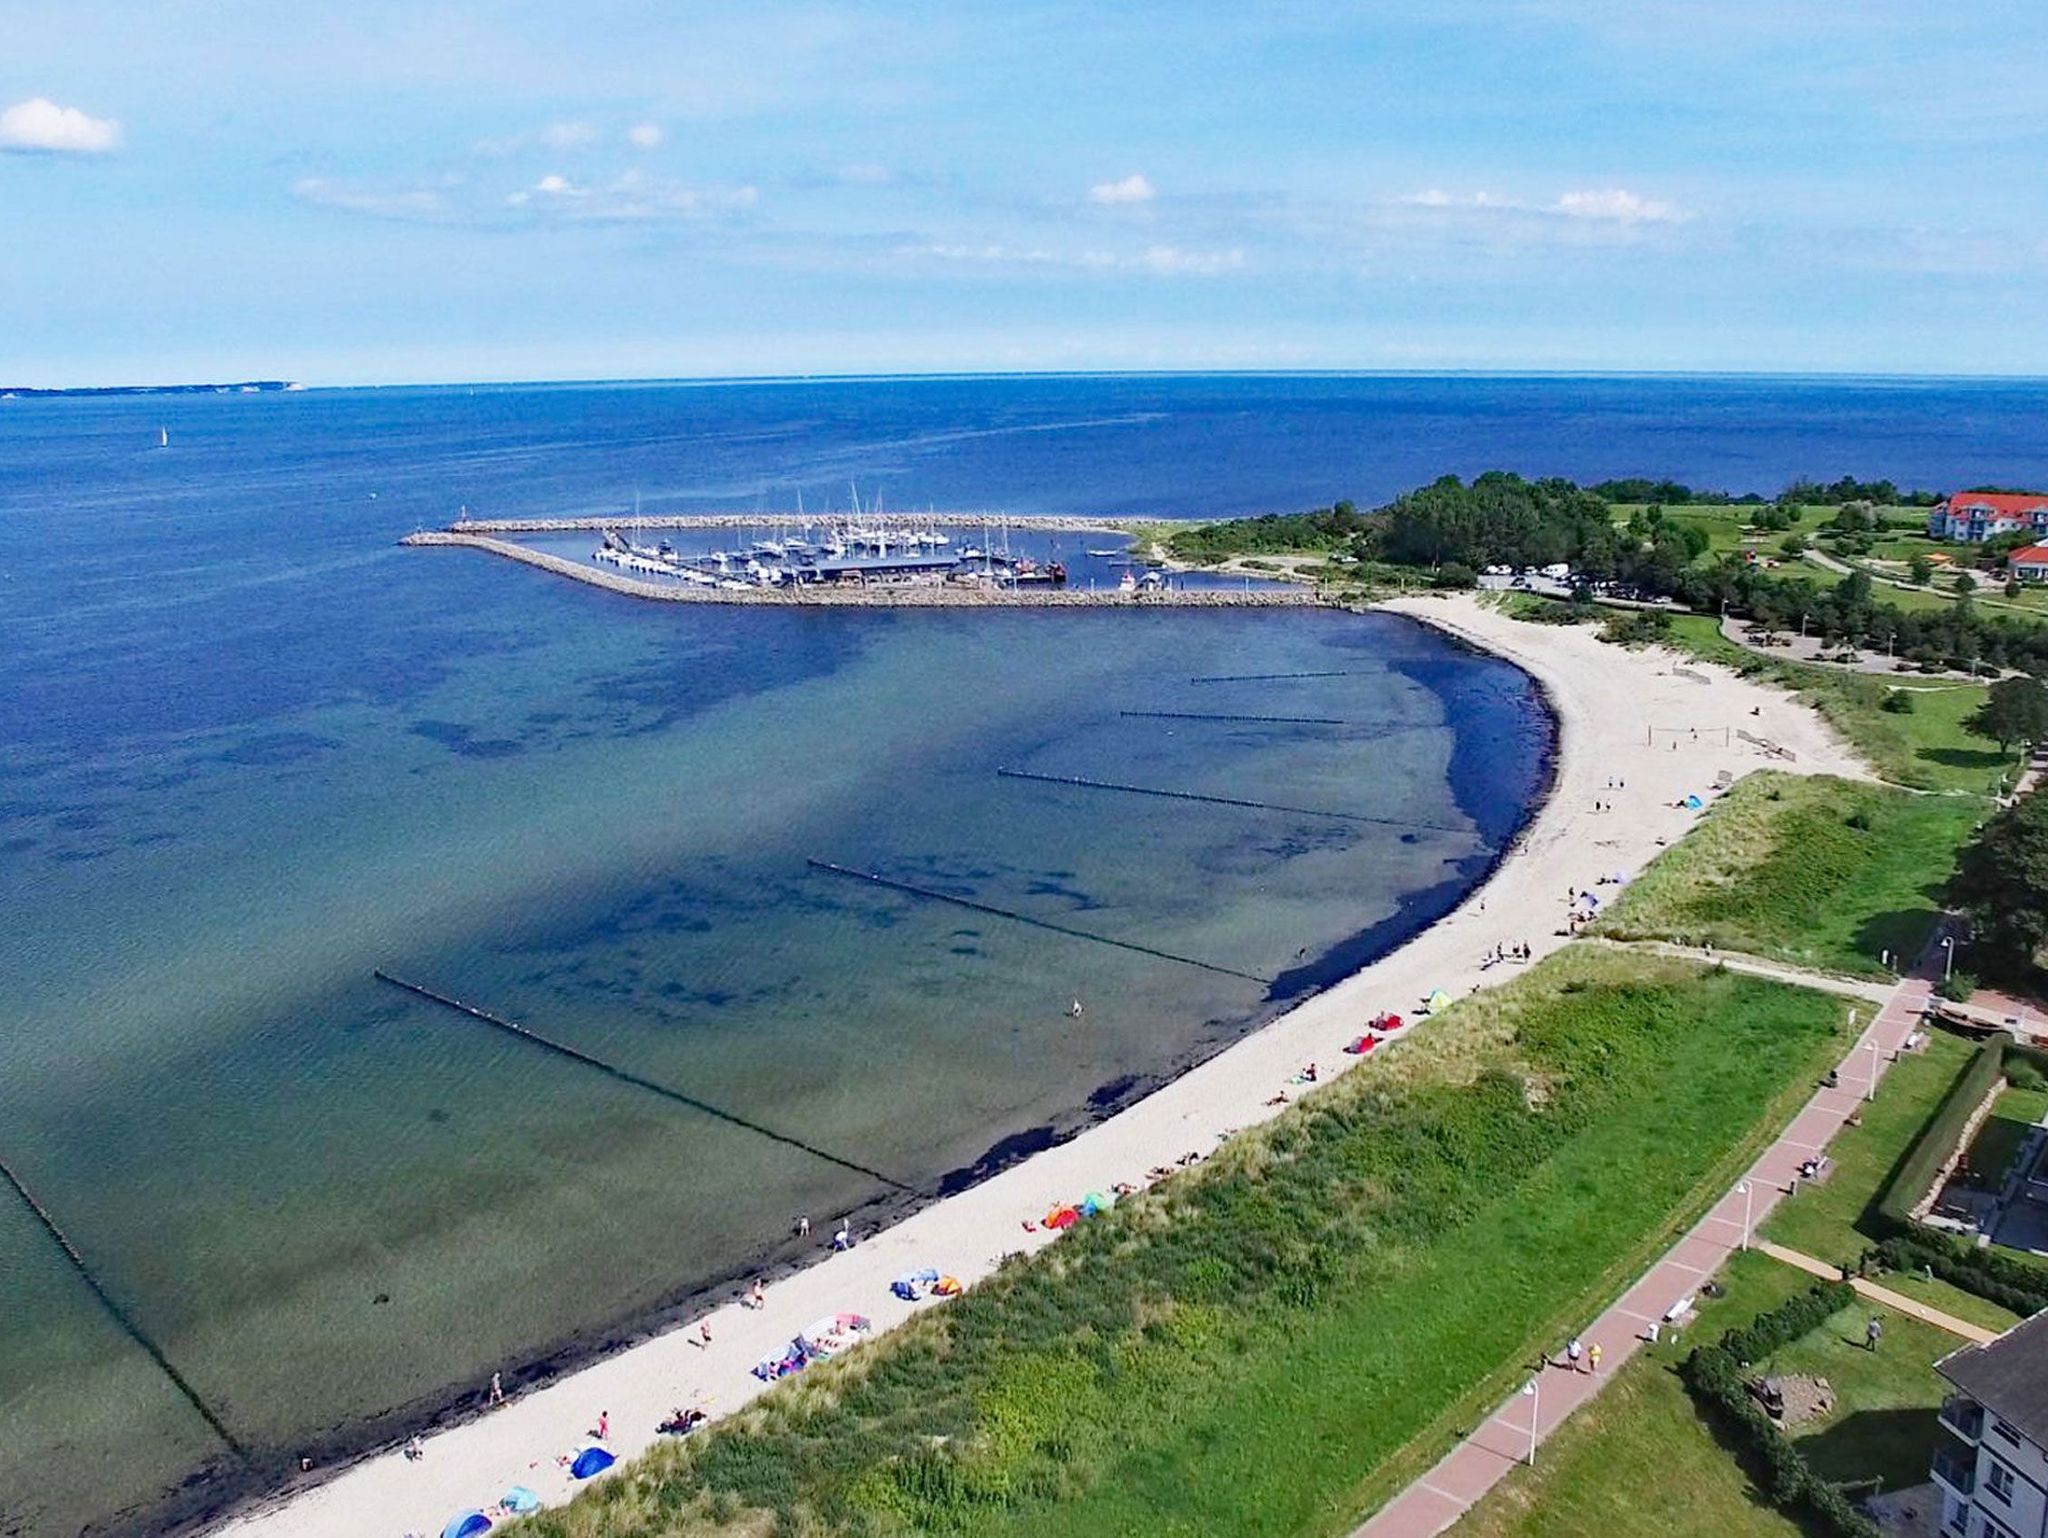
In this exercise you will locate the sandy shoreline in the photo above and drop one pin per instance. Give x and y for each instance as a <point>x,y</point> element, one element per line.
<point>1663,729</point>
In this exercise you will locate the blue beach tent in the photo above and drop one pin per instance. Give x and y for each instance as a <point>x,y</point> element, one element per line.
<point>592,1460</point>
<point>519,1499</point>
<point>466,1525</point>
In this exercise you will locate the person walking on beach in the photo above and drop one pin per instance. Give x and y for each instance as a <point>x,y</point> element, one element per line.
<point>704,1332</point>
<point>758,1298</point>
<point>803,1226</point>
<point>1074,1010</point>
<point>604,1425</point>
<point>497,1389</point>
<point>842,1240</point>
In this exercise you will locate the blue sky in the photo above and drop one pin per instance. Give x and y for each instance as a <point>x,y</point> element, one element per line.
<point>380,192</point>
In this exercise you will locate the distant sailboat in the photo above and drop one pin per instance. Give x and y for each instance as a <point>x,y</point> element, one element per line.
<point>163,437</point>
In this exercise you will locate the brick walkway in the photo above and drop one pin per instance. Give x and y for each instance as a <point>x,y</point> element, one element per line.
<point>1502,1441</point>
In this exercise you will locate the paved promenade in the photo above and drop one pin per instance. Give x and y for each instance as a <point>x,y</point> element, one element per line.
<point>1503,1440</point>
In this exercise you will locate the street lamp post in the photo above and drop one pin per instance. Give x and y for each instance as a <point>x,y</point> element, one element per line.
<point>1535,1399</point>
<point>1948,960</point>
<point>1871,1093</point>
<point>1743,1187</point>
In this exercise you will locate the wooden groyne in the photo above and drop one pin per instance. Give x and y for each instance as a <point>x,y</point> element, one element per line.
<point>626,1075</point>
<point>931,894</point>
<point>1206,715</point>
<point>116,1312</point>
<point>820,595</point>
<point>1261,678</point>
<point>1078,783</point>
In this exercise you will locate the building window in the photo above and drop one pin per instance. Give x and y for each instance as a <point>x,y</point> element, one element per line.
<point>1998,1481</point>
<point>1991,1527</point>
<point>1999,1428</point>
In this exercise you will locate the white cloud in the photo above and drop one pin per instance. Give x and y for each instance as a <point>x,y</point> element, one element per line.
<point>645,136</point>
<point>40,126</point>
<point>1132,189</point>
<point>568,136</point>
<point>1604,205</point>
<point>1619,206</point>
<point>1161,261</point>
<point>423,203</point>
<point>630,197</point>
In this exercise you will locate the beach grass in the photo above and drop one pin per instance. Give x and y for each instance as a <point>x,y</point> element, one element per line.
<point>1642,1459</point>
<point>1811,870</point>
<point>1279,1339</point>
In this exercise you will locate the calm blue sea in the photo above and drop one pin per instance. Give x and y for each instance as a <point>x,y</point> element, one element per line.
<point>251,750</point>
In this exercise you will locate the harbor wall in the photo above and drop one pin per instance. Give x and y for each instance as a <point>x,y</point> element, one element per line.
<point>1053,523</point>
<point>824,595</point>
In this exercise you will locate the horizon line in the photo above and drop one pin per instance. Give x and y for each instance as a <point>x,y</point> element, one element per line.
<point>301,386</point>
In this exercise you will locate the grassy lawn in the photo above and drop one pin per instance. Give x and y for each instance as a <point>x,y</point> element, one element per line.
<point>1279,1339</point>
<point>1641,1459</point>
<point>1998,1140</point>
<point>1929,749</point>
<point>1815,871</point>
<point>1837,1220</point>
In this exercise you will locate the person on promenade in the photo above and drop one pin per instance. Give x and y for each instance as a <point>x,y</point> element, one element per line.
<point>1573,1350</point>
<point>1593,1356</point>
<point>1873,1332</point>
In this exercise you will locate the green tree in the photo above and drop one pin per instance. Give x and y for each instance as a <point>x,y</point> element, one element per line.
<point>1920,569</point>
<point>2001,882</point>
<point>2012,587</point>
<point>2015,710</point>
<point>1965,583</point>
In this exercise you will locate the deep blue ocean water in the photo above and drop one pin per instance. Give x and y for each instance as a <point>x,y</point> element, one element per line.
<point>251,750</point>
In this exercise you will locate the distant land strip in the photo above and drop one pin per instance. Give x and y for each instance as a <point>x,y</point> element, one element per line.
<point>829,595</point>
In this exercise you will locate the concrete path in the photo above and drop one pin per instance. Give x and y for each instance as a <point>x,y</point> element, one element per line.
<point>1504,1439</point>
<point>1869,1289</point>
<point>1759,966</point>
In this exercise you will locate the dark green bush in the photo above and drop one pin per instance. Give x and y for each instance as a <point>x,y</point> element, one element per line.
<point>1923,1160</point>
<point>1714,1375</point>
<point>1898,701</point>
<point>1998,1278</point>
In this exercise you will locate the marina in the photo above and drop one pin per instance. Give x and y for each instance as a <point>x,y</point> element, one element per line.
<point>901,574</point>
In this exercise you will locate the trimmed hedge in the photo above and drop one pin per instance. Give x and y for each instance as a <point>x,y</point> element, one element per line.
<point>1938,1139</point>
<point>1713,1375</point>
<point>2009,1282</point>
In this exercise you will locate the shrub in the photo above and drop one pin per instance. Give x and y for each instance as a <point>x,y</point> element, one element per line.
<point>1898,701</point>
<point>1454,574</point>
<point>1713,1375</point>
<point>1998,1278</point>
<point>2021,1074</point>
<point>1938,1139</point>
<point>1958,986</point>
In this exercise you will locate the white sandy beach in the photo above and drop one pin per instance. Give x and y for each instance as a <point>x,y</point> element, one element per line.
<point>1605,698</point>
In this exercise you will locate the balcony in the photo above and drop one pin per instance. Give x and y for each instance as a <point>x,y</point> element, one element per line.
<point>1965,1417</point>
<point>1956,1473</point>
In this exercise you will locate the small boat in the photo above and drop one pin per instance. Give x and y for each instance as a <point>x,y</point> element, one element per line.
<point>1104,554</point>
<point>163,437</point>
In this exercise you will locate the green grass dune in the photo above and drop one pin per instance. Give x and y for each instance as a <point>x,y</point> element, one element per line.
<point>1276,1341</point>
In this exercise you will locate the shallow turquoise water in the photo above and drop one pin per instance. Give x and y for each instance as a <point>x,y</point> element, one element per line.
<point>251,751</point>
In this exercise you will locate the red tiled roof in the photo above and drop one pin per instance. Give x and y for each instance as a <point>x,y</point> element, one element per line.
<point>2029,555</point>
<point>2009,503</point>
